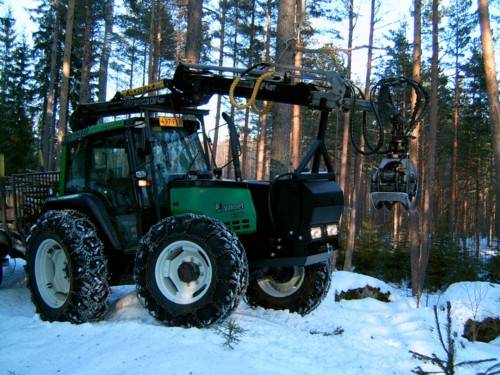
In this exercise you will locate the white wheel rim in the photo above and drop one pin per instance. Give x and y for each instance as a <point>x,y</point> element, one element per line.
<point>179,256</point>
<point>279,289</point>
<point>52,273</point>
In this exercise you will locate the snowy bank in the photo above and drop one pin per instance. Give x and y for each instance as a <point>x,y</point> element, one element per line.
<point>350,337</point>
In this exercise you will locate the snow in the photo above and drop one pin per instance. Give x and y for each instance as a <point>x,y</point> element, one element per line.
<point>473,300</point>
<point>375,337</point>
<point>343,281</point>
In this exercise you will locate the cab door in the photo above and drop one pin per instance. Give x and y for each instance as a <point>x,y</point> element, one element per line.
<point>110,177</point>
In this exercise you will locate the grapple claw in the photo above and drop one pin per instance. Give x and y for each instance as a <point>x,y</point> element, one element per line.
<point>394,181</point>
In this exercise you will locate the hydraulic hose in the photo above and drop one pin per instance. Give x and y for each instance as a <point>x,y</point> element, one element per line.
<point>251,101</point>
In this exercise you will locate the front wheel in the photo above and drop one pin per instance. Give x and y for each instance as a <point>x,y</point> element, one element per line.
<point>190,271</point>
<point>298,289</point>
<point>66,268</point>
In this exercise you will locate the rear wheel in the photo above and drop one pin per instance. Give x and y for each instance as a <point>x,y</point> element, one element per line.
<point>66,267</point>
<point>190,271</point>
<point>3,259</point>
<point>298,289</point>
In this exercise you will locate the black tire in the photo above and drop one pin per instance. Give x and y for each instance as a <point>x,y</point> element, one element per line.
<point>74,236</point>
<point>220,267</point>
<point>3,257</point>
<point>301,295</point>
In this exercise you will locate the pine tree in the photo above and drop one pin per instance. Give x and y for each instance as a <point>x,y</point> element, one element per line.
<point>16,135</point>
<point>462,24</point>
<point>281,113</point>
<point>429,199</point>
<point>194,31</point>
<point>492,87</point>
<point>46,50</point>
<point>88,46</point>
<point>132,39</point>
<point>64,96</point>
<point>106,49</point>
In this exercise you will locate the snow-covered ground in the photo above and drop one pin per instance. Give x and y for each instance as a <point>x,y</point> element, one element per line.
<point>375,337</point>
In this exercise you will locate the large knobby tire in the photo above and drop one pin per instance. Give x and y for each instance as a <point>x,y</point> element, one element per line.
<point>297,289</point>
<point>190,271</point>
<point>66,268</point>
<point>3,257</point>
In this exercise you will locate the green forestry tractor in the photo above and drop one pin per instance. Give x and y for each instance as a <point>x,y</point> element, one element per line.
<point>141,195</point>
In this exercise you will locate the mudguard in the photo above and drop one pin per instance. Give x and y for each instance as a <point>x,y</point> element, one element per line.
<point>94,207</point>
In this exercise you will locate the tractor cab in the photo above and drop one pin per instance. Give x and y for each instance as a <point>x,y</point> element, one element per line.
<point>128,165</point>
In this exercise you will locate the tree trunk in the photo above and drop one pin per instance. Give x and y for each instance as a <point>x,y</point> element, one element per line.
<point>106,51</point>
<point>355,214</point>
<point>244,144</point>
<point>345,136</point>
<point>244,148</point>
<point>155,37</point>
<point>282,113</point>
<point>63,110</point>
<point>229,168</point>
<point>413,221</point>
<point>454,179</point>
<point>261,144</point>
<point>477,216</point>
<point>223,6</point>
<point>179,32</point>
<point>194,37</point>
<point>492,89</point>
<point>132,65</point>
<point>428,216</point>
<point>145,60</point>
<point>87,53</point>
<point>296,110</point>
<point>158,39</point>
<point>151,42</point>
<point>48,124</point>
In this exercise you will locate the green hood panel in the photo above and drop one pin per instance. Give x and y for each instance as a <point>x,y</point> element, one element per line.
<point>232,206</point>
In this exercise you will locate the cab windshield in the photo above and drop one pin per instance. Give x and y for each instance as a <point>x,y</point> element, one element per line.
<point>176,152</point>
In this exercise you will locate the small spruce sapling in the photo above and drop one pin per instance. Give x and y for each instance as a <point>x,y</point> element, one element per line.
<point>231,332</point>
<point>447,366</point>
<point>337,331</point>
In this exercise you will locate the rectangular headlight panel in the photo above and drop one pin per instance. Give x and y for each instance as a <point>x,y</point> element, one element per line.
<point>332,229</point>
<point>316,233</point>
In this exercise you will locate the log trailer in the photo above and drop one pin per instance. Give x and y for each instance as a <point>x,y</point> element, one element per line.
<point>141,195</point>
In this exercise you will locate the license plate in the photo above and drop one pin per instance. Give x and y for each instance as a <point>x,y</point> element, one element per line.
<point>170,122</point>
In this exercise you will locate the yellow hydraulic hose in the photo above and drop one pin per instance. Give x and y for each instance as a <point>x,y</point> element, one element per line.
<point>144,89</point>
<point>250,102</point>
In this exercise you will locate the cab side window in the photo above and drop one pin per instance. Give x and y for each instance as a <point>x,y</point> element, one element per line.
<point>75,175</point>
<point>110,172</point>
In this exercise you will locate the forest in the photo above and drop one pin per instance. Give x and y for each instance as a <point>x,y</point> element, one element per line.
<point>85,50</point>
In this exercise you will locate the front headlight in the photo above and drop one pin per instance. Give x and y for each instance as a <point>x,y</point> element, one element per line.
<point>315,233</point>
<point>332,229</point>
